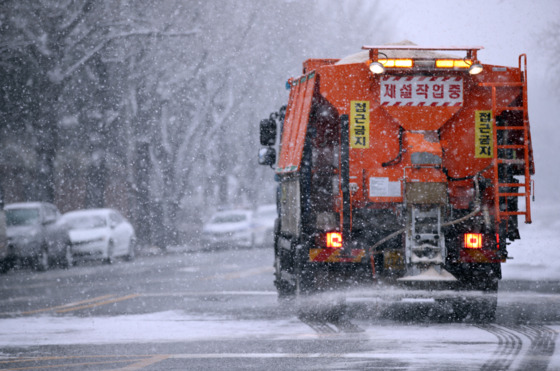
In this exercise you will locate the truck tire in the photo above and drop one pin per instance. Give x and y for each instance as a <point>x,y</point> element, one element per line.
<point>284,288</point>
<point>304,273</point>
<point>481,281</point>
<point>476,309</point>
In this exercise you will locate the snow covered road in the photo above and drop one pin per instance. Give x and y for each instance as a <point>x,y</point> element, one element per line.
<point>218,310</point>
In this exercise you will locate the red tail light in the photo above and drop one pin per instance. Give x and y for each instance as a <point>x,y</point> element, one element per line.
<point>473,240</point>
<point>334,240</point>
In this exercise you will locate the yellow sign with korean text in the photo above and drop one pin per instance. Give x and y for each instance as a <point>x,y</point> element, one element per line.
<point>483,135</point>
<point>359,124</point>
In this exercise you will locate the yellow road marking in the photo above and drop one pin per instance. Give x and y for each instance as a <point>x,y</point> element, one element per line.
<point>132,357</point>
<point>141,361</point>
<point>67,305</point>
<point>144,363</point>
<point>99,301</point>
<point>115,300</point>
<point>66,364</point>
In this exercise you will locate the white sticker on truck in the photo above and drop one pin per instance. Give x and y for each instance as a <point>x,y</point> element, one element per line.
<point>421,91</point>
<point>382,187</point>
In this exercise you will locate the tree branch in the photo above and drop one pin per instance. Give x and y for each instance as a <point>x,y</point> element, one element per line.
<point>58,76</point>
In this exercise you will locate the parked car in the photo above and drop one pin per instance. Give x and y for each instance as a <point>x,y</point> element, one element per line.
<point>99,234</point>
<point>229,228</point>
<point>34,236</point>
<point>263,224</point>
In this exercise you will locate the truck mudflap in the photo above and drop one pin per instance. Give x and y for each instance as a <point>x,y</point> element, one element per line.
<point>432,273</point>
<point>329,255</point>
<point>482,256</point>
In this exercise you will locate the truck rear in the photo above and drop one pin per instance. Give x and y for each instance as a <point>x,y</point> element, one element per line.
<point>401,165</point>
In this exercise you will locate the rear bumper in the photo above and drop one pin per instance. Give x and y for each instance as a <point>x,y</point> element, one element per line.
<point>228,239</point>
<point>23,249</point>
<point>89,249</point>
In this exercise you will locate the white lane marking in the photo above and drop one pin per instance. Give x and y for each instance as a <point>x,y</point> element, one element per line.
<point>190,269</point>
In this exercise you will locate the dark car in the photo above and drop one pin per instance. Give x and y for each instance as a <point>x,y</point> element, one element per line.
<point>35,237</point>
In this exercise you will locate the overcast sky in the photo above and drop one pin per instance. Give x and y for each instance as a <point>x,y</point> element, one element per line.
<point>504,28</point>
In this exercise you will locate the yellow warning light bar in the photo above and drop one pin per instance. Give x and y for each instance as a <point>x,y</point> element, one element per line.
<point>397,63</point>
<point>453,63</point>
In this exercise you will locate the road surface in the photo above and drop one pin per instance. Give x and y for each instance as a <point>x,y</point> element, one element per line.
<point>190,309</point>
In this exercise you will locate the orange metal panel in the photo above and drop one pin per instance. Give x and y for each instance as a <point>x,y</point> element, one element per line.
<point>312,64</point>
<point>422,118</point>
<point>453,121</point>
<point>342,83</point>
<point>295,124</point>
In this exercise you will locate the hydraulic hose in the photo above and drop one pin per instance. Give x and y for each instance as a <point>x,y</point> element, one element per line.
<point>475,211</point>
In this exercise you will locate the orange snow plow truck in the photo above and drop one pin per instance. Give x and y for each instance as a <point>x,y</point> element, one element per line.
<point>401,164</point>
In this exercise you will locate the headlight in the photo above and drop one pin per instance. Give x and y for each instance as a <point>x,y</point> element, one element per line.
<point>376,68</point>
<point>475,69</point>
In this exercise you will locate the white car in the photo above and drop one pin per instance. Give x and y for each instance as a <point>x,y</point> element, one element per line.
<point>100,233</point>
<point>229,228</point>
<point>263,224</point>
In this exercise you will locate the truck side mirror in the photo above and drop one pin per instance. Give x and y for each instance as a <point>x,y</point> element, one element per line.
<point>268,132</point>
<point>267,156</point>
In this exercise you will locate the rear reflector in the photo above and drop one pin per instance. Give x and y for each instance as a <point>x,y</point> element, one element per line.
<point>473,240</point>
<point>334,240</point>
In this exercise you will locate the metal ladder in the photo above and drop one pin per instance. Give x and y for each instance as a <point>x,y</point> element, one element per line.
<point>499,157</point>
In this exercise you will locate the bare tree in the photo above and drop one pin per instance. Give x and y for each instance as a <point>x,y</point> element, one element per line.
<point>51,50</point>
<point>550,41</point>
<point>154,107</point>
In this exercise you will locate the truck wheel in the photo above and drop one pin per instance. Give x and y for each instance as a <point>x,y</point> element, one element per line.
<point>284,288</point>
<point>486,309</point>
<point>476,309</point>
